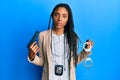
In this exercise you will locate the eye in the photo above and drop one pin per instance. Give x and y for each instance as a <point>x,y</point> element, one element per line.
<point>64,16</point>
<point>56,14</point>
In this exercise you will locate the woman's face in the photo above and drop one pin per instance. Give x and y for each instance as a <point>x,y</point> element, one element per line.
<point>60,17</point>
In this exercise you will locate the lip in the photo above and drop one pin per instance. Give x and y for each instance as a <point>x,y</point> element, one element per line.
<point>59,24</point>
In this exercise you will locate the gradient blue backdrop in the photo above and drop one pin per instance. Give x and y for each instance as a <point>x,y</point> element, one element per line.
<point>98,20</point>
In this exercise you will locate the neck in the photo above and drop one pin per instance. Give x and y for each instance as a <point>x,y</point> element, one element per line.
<point>58,31</point>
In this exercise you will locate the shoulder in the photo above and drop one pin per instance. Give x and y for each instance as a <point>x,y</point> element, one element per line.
<point>44,33</point>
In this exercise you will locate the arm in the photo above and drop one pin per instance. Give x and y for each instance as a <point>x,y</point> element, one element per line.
<point>33,50</point>
<point>37,60</point>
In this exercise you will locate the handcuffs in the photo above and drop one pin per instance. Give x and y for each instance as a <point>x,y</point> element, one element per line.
<point>88,61</point>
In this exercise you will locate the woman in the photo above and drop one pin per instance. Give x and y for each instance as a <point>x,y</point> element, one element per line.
<point>58,47</point>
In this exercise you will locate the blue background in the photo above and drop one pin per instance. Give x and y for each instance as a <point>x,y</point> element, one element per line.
<point>98,20</point>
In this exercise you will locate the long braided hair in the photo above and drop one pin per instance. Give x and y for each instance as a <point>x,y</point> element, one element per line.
<point>69,29</point>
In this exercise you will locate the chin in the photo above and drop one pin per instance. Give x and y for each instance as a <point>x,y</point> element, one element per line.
<point>59,27</point>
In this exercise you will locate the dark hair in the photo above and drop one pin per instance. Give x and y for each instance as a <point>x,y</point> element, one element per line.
<point>69,30</point>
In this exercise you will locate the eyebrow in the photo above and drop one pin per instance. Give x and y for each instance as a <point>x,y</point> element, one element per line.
<point>56,12</point>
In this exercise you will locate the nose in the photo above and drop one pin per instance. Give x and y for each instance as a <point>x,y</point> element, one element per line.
<point>59,18</point>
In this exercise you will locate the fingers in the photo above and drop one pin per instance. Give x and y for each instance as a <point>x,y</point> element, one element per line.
<point>34,48</point>
<point>32,45</point>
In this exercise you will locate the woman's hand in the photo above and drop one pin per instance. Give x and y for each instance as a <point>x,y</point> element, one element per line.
<point>33,50</point>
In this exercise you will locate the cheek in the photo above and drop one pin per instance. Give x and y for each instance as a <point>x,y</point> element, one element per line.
<point>65,21</point>
<point>54,19</point>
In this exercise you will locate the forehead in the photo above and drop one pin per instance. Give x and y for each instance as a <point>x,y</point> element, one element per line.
<point>61,10</point>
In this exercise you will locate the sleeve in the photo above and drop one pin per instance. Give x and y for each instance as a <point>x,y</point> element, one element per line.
<point>83,54</point>
<point>39,59</point>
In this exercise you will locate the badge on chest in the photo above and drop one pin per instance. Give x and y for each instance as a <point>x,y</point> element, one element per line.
<point>58,70</point>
